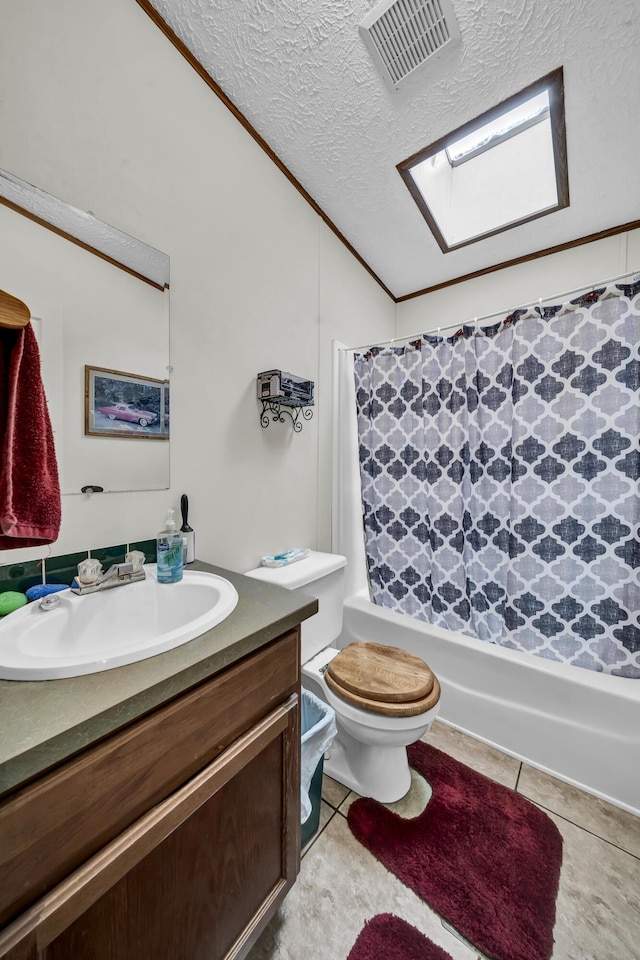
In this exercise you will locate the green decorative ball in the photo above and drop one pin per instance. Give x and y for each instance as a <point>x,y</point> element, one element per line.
<point>11,600</point>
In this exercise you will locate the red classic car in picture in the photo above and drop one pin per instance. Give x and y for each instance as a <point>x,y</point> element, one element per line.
<point>125,411</point>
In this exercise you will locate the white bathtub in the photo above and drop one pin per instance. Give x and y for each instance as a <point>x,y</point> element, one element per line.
<point>578,725</point>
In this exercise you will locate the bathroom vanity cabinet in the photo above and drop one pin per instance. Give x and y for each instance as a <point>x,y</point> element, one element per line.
<point>174,837</point>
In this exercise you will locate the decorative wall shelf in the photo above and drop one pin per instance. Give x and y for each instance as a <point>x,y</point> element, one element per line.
<point>278,407</point>
<point>281,393</point>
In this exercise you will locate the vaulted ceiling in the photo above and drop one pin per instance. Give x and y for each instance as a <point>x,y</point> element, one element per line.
<point>300,74</point>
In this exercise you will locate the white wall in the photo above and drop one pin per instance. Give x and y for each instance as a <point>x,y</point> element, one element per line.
<point>525,283</point>
<point>98,109</point>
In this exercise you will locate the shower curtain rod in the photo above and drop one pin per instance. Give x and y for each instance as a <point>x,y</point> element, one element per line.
<point>497,313</point>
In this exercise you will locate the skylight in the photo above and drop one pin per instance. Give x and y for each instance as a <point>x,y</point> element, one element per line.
<point>496,131</point>
<point>504,168</point>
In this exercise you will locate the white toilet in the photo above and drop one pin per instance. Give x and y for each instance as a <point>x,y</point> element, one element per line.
<point>384,698</point>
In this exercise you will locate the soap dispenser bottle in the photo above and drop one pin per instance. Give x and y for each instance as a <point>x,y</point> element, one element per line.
<point>169,552</point>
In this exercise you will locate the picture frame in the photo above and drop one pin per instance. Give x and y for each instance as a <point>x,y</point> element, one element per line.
<point>125,405</point>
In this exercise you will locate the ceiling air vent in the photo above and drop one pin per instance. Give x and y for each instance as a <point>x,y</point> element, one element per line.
<point>403,35</point>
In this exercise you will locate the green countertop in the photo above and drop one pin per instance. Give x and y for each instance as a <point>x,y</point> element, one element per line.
<point>45,722</point>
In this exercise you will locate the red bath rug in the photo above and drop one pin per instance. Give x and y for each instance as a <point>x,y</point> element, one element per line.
<point>481,855</point>
<point>391,938</point>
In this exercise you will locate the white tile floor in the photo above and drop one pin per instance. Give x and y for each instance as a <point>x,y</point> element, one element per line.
<point>341,885</point>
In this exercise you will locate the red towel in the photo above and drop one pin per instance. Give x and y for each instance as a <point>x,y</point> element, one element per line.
<point>30,505</point>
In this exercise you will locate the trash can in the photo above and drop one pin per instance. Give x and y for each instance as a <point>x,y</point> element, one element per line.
<point>318,722</point>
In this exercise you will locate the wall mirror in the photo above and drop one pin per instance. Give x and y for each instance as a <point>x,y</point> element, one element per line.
<point>99,303</point>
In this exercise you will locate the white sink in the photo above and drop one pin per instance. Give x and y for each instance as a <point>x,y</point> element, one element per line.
<point>113,627</point>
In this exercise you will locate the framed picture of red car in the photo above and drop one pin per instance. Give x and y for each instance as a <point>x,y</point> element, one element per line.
<point>119,404</point>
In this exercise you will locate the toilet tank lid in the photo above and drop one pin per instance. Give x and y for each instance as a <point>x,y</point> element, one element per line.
<point>304,571</point>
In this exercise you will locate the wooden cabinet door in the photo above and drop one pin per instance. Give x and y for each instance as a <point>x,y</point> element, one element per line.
<point>197,877</point>
<point>49,828</point>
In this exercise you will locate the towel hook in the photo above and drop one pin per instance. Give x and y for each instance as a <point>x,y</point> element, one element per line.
<point>14,314</point>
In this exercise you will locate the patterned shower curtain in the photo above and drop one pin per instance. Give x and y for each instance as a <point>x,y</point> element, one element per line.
<point>500,480</point>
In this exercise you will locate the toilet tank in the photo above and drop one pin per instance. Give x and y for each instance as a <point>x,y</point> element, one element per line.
<point>319,575</point>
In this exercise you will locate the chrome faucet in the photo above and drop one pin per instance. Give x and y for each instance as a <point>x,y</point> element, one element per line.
<point>91,578</point>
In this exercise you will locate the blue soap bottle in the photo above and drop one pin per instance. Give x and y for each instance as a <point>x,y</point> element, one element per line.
<point>169,552</point>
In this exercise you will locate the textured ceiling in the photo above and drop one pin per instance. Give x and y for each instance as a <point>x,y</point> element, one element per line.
<point>301,75</point>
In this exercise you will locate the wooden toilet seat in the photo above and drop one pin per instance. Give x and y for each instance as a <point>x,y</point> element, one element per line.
<point>383,680</point>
